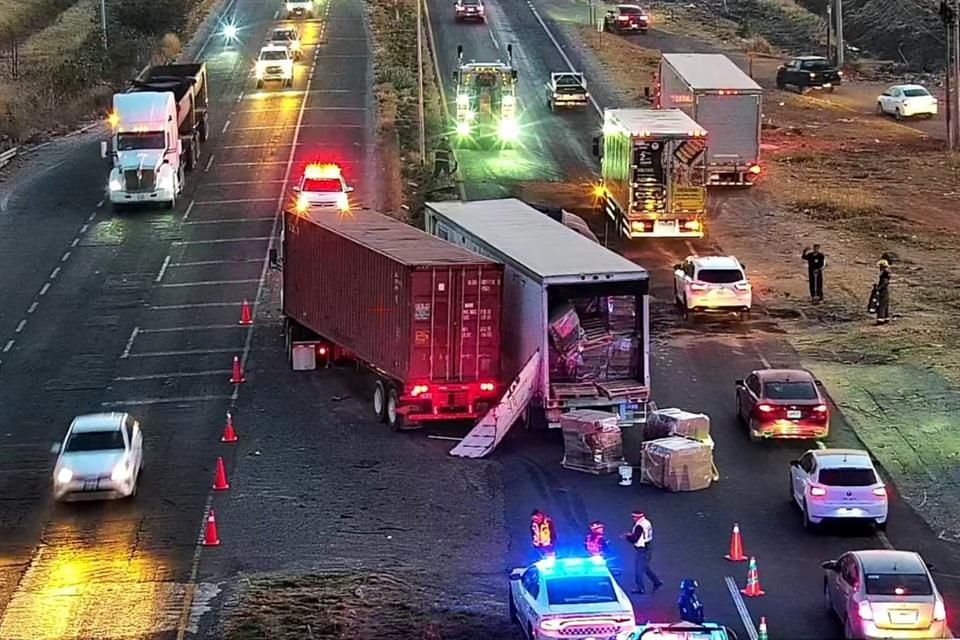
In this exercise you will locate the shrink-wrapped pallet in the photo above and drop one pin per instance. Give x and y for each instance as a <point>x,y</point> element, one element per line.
<point>677,464</point>
<point>591,441</point>
<point>677,422</point>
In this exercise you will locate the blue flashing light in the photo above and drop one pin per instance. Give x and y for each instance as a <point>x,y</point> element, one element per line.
<point>573,565</point>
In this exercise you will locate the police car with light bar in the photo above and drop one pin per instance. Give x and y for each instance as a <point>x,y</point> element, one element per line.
<point>322,187</point>
<point>571,598</point>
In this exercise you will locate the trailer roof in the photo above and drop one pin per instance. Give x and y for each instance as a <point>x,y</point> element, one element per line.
<point>655,121</point>
<point>542,246</point>
<point>398,240</point>
<point>710,72</point>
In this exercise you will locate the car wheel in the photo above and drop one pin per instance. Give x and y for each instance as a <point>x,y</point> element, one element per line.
<point>380,401</point>
<point>744,316</point>
<point>879,109</point>
<point>801,90</point>
<point>793,499</point>
<point>259,84</point>
<point>827,605</point>
<point>739,410</point>
<point>831,89</point>
<point>514,617</point>
<point>881,526</point>
<point>751,431</point>
<point>897,114</point>
<point>807,524</point>
<point>780,84</point>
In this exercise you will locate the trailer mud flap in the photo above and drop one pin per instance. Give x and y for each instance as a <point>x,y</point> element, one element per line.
<point>492,428</point>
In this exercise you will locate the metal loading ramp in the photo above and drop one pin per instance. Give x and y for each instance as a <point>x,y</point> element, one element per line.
<point>492,428</point>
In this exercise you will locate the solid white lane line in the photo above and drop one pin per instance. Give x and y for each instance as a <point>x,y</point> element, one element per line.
<point>207,283</point>
<point>174,374</point>
<point>230,220</point>
<point>742,608</point>
<point>204,263</point>
<point>199,327</point>
<point>147,401</point>
<point>238,201</point>
<point>194,305</point>
<point>186,214</point>
<point>185,243</point>
<point>186,352</point>
<point>163,269</point>
<point>129,345</point>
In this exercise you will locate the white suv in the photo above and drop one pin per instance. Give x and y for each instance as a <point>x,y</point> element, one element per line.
<point>712,284</point>
<point>275,63</point>
<point>838,484</point>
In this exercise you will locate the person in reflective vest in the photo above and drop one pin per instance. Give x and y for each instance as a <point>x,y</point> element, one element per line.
<point>691,610</point>
<point>543,534</point>
<point>596,542</point>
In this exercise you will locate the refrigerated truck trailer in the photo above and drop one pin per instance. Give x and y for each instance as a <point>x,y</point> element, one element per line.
<point>716,93</point>
<point>421,313</point>
<point>652,173</point>
<point>548,265</point>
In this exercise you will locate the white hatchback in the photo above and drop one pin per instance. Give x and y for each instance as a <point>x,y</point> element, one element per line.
<point>838,484</point>
<point>715,284</point>
<point>100,457</point>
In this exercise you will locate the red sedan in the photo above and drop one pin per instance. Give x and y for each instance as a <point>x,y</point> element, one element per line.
<point>782,403</point>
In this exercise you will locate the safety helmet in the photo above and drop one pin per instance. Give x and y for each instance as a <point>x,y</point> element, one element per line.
<point>883,263</point>
<point>596,526</point>
<point>688,584</point>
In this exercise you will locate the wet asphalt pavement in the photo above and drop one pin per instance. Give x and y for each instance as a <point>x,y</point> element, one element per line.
<point>138,312</point>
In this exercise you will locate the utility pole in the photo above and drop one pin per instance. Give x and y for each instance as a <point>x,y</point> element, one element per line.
<point>955,27</point>
<point>423,133</point>
<point>838,33</point>
<point>829,32</point>
<point>103,17</point>
<point>949,14</point>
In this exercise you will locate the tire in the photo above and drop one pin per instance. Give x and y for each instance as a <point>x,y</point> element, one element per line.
<point>879,109</point>
<point>204,130</point>
<point>897,115</point>
<point>259,84</point>
<point>832,89</point>
<point>751,432</point>
<point>744,316</point>
<point>739,410</point>
<point>882,526</point>
<point>380,401</point>
<point>807,524</point>
<point>170,205</point>
<point>514,616</point>
<point>827,605</point>
<point>395,420</point>
<point>780,84</point>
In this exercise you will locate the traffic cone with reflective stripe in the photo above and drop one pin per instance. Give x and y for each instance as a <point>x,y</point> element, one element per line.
<point>229,435</point>
<point>736,546</point>
<point>237,376</point>
<point>210,537</point>
<point>245,315</point>
<point>220,478</point>
<point>763,629</point>
<point>753,581</point>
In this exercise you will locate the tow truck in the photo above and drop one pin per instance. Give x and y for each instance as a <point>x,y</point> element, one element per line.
<point>567,89</point>
<point>486,100</point>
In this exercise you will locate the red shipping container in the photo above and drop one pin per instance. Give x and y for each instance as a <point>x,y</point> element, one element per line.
<point>415,308</point>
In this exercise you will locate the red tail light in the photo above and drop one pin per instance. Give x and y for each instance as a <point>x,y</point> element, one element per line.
<point>764,408</point>
<point>818,491</point>
<point>487,386</point>
<point>880,492</point>
<point>820,408</point>
<point>419,389</point>
<point>322,351</point>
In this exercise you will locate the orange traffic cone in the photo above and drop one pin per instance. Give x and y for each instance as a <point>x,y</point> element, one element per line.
<point>245,315</point>
<point>762,635</point>
<point>210,537</point>
<point>753,581</point>
<point>229,435</point>
<point>220,479</point>
<point>237,376</point>
<point>736,546</point>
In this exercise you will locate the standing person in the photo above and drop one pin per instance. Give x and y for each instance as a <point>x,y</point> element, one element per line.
<point>543,534</point>
<point>441,158</point>
<point>596,542</point>
<point>641,537</point>
<point>815,262</point>
<point>883,293</point>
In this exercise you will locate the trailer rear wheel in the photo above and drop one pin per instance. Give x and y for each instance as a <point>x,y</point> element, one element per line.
<point>395,420</point>
<point>380,401</point>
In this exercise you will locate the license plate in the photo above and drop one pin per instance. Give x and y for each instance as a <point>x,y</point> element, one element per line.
<point>903,617</point>
<point>90,485</point>
<point>827,85</point>
<point>794,415</point>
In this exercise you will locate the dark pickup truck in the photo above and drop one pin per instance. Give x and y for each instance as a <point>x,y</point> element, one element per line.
<point>809,72</point>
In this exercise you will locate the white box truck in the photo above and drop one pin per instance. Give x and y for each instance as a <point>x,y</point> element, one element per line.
<point>551,274</point>
<point>725,101</point>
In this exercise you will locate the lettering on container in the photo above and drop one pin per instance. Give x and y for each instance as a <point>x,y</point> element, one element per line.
<point>486,331</point>
<point>441,286</point>
<point>421,337</point>
<point>421,311</point>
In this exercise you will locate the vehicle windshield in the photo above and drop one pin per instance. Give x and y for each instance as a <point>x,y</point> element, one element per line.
<point>816,65</point>
<point>283,36</point>
<point>580,589</point>
<point>95,441</point>
<point>848,477</point>
<point>131,141</point>
<point>790,391</point>
<point>273,55</point>
<point>916,93</point>
<point>720,276</point>
<point>470,3</point>
<point>898,584</point>
<point>322,185</point>
<point>633,11</point>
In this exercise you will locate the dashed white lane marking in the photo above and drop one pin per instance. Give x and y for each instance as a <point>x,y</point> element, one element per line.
<point>209,283</point>
<point>742,608</point>
<point>762,358</point>
<point>268,145</point>
<point>225,125</point>
<point>75,242</point>
<point>44,289</point>
<point>55,273</point>
<point>306,126</point>
<point>84,228</point>
<point>148,401</point>
<point>241,183</point>
<point>205,263</point>
<point>100,204</point>
<point>207,203</point>
<point>240,97</point>
<point>184,243</point>
<point>277,110</point>
<point>174,374</point>
<point>230,221</point>
<point>8,346</point>
<point>199,327</point>
<point>130,341</point>
<point>194,305</point>
<point>209,163</point>
<point>163,269</point>
<point>20,326</point>
<point>65,257</point>
<point>90,218</point>
<point>186,214</point>
<point>185,352</point>
<point>33,307</point>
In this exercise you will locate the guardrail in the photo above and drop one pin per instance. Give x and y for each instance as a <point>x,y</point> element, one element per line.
<point>7,156</point>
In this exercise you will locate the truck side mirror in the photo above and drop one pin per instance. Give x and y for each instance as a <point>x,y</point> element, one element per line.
<point>55,447</point>
<point>104,149</point>
<point>274,259</point>
<point>738,382</point>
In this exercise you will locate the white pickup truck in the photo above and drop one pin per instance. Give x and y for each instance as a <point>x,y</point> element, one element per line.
<point>567,89</point>
<point>299,9</point>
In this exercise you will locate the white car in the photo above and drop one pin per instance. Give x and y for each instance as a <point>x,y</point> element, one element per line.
<point>322,187</point>
<point>838,484</point>
<point>712,284</point>
<point>275,62</point>
<point>289,38</point>
<point>468,10</point>
<point>570,598</point>
<point>299,8</point>
<point>907,100</point>
<point>100,457</point>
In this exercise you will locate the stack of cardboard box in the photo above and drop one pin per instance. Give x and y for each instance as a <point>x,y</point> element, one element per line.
<point>678,452</point>
<point>591,441</point>
<point>594,342</point>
